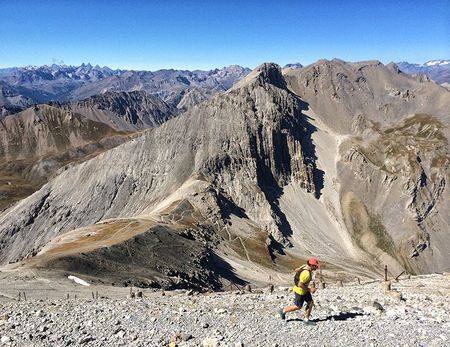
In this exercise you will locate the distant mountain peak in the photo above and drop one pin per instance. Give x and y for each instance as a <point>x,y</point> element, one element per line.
<point>293,66</point>
<point>436,63</point>
<point>437,69</point>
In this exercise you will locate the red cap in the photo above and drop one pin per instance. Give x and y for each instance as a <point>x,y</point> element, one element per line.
<point>313,261</point>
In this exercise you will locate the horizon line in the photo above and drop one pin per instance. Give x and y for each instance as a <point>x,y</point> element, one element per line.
<point>125,68</point>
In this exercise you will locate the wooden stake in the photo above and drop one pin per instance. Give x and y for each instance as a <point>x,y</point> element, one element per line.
<point>401,273</point>
<point>19,296</point>
<point>24,296</point>
<point>92,295</point>
<point>359,281</point>
<point>385,273</point>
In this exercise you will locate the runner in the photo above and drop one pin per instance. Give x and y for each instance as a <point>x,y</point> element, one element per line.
<point>302,292</point>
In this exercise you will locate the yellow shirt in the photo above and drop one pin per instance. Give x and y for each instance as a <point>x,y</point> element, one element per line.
<point>305,278</point>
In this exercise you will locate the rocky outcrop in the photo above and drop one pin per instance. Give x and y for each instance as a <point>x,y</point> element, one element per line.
<point>43,130</point>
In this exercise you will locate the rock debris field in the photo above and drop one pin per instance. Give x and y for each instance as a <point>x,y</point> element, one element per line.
<point>414,313</point>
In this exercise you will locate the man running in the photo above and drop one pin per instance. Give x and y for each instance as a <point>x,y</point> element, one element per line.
<point>301,291</point>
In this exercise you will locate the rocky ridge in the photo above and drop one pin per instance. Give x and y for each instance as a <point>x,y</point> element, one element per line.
<point>12,102</point>
<point>392,159</point>
<point>340,92</point>
<point>131,111</point>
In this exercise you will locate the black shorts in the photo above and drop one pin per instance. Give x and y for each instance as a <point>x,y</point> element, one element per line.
<point>300,299</point>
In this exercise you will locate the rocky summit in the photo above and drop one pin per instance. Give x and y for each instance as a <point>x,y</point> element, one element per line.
<point>348,162</point>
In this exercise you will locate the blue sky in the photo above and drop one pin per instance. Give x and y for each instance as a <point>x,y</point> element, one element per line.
<point>208,34</point>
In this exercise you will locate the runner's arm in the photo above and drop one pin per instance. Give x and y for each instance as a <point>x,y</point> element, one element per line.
<point>302,285</point>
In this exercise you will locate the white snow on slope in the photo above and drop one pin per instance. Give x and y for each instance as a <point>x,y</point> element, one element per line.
<point>78,280</point>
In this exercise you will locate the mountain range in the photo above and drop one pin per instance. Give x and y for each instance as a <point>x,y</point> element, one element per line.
<point>437,70</point>
<point>348,162</point>
<point>25,86</point>
<point>21,87</point>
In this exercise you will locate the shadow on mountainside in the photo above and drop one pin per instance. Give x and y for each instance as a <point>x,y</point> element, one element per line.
<point>223,269</point>
<point>300,130</point>
<point>309,148</point>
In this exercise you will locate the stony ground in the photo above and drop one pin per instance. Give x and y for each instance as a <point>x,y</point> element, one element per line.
<point>415,313</point>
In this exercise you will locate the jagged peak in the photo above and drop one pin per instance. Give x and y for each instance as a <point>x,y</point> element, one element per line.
<point>266,73</point>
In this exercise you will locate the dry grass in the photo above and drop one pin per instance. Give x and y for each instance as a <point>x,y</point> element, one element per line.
<point>253,247</point>
<point>90,238</point>
<point>289,261</point>
<point>14,189</point>
<point>366,230</point>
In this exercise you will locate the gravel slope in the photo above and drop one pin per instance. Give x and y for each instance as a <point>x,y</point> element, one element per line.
<point>345,317</point>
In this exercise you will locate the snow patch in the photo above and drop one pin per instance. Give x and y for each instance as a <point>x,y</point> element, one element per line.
<point>437,62</point>
<point>78,280</point>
